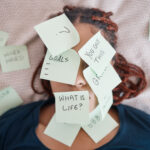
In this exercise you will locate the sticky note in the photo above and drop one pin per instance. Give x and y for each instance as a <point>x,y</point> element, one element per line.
<point>9,99</point>
<point>62,68</point>
<point>72,107</point>
<point>62,132</point>
<point>3,38</point>
<point>97,52</point>
<point>98,129</point>
<point>105,103</point>
<point>101,84</point>
<point>14,58</point>
<point>58,34</point>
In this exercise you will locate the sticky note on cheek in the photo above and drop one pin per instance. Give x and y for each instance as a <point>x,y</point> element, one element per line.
<point>62,68</point>
<point>3,38</point>
<point>62,132</point>
<point>9,99</point>
<point>14,58</point>
<point>97,52</point>
<point>105,103</point>
<point>58,34</point>
<point>72,107</point>
<point>98,129</point>
<point>101,84</point>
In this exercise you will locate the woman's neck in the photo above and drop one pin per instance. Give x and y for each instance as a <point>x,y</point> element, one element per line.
<point>82,138</point>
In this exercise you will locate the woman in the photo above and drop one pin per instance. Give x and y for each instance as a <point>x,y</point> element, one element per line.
<point>22,128</point>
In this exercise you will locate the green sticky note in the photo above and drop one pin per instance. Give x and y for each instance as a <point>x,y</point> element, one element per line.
<point>14,58</point>
<point>9,99</point>
<point>3,38</point>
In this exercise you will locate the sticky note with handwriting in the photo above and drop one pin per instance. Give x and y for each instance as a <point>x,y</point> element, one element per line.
<point>101,84</point>
<point>72,107</point>
<point>9,99</point>
<point>58,34</point>
<point>62,132</point>
<point>105,103</point>
<point>62,68</point>
<point>3,38</point>
<point>97,52</point>
<point>98,129</point>
<point>14,58</point>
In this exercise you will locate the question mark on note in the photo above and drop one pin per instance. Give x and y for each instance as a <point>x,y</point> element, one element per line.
<point>80,105</point>
<point>65,31</point>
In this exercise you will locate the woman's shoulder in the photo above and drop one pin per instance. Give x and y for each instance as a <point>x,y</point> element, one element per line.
<point>135,116</point>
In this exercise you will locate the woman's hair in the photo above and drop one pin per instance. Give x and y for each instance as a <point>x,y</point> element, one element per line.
<point>128,88</point>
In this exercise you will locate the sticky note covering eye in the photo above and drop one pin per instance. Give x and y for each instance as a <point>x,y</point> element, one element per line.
<point>58,34</point>
<point>14,58</point>
<point>97,52</point>
<point>3,38</point>
<point>62,132</point>
<point>62,68</point>
<point>9,99</point>
<point>72,107</point>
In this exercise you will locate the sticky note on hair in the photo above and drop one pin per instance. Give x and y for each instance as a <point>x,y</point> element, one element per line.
<point>3,38</point>
<point>98,129</point>
<point>97,52</point>
<point>58,34</point>
<point>62,68</point>
<point>9,99</point>
<point>105,103</point>
<point>62,132</point>
<point>101,84</point>
<point>14,58</point>
<point>72,107</point>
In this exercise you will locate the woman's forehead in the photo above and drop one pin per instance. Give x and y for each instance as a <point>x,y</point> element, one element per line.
<point>86,31</point>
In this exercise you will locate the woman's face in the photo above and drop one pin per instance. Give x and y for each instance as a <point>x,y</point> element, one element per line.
<point>86,31</point>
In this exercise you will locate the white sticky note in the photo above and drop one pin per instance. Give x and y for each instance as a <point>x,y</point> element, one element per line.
<point>14,58</point>
<point>58,34</point>
<point>9,99</point>
<point>3,38</point>
<point>98,129</point>
<point>105,103</point>
<point>101,84</point>
<point>62,132</point>
<point>97,52</point>
<point>62,68</point>
<point>72,107</point>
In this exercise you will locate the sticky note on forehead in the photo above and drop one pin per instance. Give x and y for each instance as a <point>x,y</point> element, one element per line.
<point>3,38</point>
<point>58,34</point>
<point>97,52</point>
<point>62,68</point>
<point>72,107</point>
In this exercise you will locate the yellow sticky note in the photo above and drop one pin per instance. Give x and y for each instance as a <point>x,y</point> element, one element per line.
<point>9,99</point>
<point>3,38</point>
<point>14,58</point>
